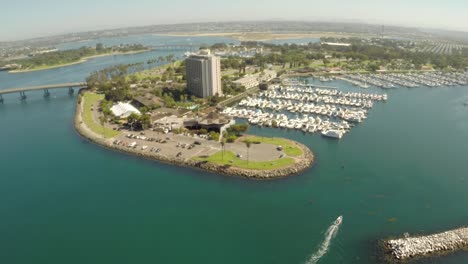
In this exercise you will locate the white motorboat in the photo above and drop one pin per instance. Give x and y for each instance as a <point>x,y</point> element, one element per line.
<point>333,133</point>
<point>339,220</point>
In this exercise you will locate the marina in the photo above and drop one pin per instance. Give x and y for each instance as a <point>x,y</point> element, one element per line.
<point>327,111</point>
<point>409,80</point>
<point>442,48</point>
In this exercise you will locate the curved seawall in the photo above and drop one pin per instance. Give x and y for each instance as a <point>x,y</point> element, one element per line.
<point>299,166</point>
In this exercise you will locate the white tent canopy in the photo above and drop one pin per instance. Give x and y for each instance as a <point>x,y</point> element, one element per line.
<point>123,110</point>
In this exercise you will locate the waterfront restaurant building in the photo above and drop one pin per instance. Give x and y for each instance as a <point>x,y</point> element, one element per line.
<point>204,74</point>
<point>211,122</point>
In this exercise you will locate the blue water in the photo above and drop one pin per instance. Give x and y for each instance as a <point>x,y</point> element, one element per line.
<point>65,200</point>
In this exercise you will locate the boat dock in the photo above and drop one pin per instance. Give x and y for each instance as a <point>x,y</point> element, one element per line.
<point>409,80</point>
<point>328,111</point>
<point>436,244</point>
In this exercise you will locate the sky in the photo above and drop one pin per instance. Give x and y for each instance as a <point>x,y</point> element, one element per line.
<point>22,19</point>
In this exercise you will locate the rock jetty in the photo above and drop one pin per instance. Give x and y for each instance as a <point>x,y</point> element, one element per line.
<point>436,244</point>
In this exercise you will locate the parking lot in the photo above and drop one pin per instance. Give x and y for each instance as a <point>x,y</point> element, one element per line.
<point>189,146</point>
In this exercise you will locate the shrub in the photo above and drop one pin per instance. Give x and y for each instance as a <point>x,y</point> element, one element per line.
<point>231,138</point>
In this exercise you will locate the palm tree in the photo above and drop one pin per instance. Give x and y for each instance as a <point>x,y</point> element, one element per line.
<point>102,120</point>
<point>169,57</point>
<point>248,144</point>
<point>223,143</point>
<point>160,59</point>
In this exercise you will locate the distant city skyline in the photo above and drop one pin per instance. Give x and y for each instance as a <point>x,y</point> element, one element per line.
<point>29,19</point>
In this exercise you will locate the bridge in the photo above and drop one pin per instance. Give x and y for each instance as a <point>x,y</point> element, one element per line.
<point>22,90</point>
<point>176,46</point>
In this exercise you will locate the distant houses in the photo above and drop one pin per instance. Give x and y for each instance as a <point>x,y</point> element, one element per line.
<point>254,80</point>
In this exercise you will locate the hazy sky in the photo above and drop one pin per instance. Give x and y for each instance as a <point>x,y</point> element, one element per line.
<point>33,18</point>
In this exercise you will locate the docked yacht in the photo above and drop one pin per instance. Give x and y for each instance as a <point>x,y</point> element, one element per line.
<point>333,133</point>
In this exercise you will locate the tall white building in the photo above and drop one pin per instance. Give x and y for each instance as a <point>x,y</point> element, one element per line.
<point>204,74</point>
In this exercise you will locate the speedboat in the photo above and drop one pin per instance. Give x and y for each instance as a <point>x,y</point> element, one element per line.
<point>339,220</point>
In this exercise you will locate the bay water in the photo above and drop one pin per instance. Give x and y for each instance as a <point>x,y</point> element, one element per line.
<point>65,200</point>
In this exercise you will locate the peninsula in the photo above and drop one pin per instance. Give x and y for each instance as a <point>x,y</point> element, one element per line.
<point>158,115</point>
<point>247,156</point>
<point>60,58</point>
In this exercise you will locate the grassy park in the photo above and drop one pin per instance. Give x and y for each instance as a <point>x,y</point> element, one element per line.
<point>90,100</point>
<point>229,158</point>
<point>289,148</point>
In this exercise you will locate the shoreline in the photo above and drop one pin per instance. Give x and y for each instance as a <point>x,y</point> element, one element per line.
<point>298,167</point>
<point>259,36</point>
<point>82,60</point>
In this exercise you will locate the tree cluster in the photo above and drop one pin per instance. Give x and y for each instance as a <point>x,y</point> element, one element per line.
<point>73,55</point>
<point>112,81</point>
<point>377,51</point>
<point>139,122</point>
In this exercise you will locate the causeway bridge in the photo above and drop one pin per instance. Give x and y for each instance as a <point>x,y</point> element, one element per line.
<point>22,90</point>
<point>176,46</point>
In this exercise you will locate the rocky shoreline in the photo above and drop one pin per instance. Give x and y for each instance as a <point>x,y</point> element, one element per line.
<point>303,164</point>
<point>431,245</point>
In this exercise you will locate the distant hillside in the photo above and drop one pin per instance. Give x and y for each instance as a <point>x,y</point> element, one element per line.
<point>233,27</point>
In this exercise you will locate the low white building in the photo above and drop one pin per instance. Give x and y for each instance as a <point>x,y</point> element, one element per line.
<point>123,110</point>
<point>337,44</point>
<point>248,82</point>
<point>268,75</point>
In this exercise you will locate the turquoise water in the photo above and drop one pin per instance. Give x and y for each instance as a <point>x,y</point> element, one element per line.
<point>64,200</point>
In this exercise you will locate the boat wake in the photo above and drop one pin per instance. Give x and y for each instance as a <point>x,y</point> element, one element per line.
<point>329,235</point>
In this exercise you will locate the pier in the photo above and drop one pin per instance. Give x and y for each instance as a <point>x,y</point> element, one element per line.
<point>436,244</point>
<point>22,90</point>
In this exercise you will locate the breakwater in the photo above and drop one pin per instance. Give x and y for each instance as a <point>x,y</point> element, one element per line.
<point>430,245</point>
<point>301,164</point>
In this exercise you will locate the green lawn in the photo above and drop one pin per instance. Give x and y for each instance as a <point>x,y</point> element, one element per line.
<point>288,147</point>
<point>89,100</point>
<point>152,73</point>
<point>229,156</point>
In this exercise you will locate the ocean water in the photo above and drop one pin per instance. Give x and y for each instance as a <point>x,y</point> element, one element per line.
<point>65,200</point>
